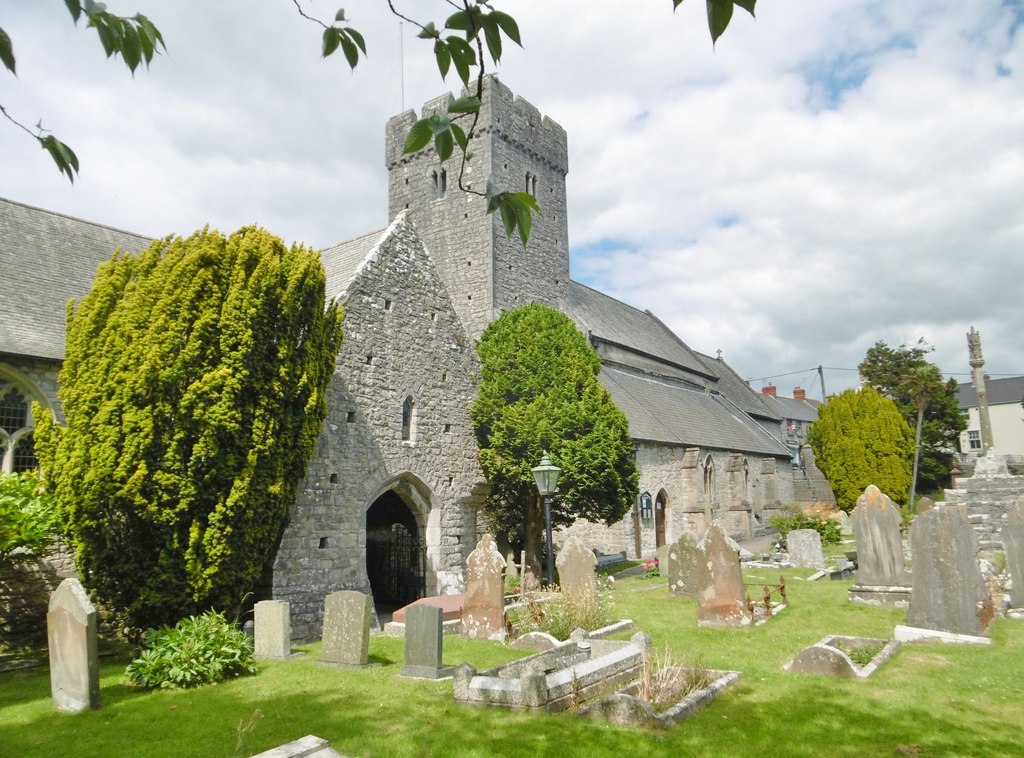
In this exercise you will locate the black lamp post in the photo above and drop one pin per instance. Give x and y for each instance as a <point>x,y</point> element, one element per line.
<point>546,476</point>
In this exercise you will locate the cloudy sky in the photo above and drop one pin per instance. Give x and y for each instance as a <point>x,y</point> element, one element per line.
<point>829,175</point>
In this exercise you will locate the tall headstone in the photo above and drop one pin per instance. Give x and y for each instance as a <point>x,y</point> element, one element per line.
<point>272,630</point>
<point>483,614</point>
<point>949,590</point>
<point>74,658</point>
<point>345,642</point>
<point>1013,541</point>
<point>683,569</point>
<point>882,577</point>
<point>424,643</point>
<point>804,547</point>
<point>576,565</point>
<point>720,583</point>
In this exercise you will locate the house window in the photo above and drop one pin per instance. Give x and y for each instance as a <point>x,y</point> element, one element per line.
<point>709,479</point>
<point>974,440</point>
<point>408,420</point>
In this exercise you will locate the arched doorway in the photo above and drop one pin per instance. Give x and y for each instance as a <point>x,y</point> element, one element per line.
<point>659,519</point>
<point>395,553</point>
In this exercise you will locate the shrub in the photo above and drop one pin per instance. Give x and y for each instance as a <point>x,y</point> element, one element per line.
<point>830,531</point>
<point>560,615</point>
<point>28,519</point>
<point>198,650</point>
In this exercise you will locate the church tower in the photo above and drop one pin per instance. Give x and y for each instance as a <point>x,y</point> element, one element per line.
<point>516,148</point>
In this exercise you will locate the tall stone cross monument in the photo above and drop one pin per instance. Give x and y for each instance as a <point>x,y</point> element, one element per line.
<point>989,462</point>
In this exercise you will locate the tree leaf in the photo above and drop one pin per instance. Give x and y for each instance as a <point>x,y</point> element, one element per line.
<point>350,50</point>
<point>492,35</point>
<point>419,136</point>
<point>508,214</point>
<point>356,37</point>
<point>463,56</point>
<point>340,15</point>
<point>509,26</point>
<point>460,137</point>
<point>676,4</point>
<point>429,31</point>
<point>74,8</point>
<point>719,15</point>
<point>747,5</point>
<point>443,56</point>
<point>332,38</point>
<point>62,155</point>
<point>444,144</point>
<point>458,20</point>
<point>131,47</point>
<point>149,30</point>
<point>7,52</point>
<point>466,104</point>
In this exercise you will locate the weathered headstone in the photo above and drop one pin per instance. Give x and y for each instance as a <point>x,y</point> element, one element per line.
<point>74,658</point>
<point>882,578</point>
<point>925,504</point>
<point>576,564</point>
<point>424,643</point>
<point>346,632</point>
<point>949,591</point>
<point>272,630</point>
<point>720,583</point>
<point>804,547</point>
<point>684,558</point>
<point>483,614</point>
<point>1013,541</point>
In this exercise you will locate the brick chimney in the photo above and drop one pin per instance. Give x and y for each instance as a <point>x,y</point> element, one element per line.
<point>799,394</point>
<point>769,390</point>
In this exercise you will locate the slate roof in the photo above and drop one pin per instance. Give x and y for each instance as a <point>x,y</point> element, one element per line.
<point>341,261</point>
<point>63,253</point>
<point>662,410</point>
<point>790,408</point>
<point>608,319</point>
<point>739,392</point>
<point>997,392</point>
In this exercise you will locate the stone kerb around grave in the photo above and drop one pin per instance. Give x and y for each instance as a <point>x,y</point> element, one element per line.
<point>882,578</point>
<point>833,657</point>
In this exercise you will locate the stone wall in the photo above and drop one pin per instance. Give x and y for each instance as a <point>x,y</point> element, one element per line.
<point>402,339</point>
<point>486,272</point>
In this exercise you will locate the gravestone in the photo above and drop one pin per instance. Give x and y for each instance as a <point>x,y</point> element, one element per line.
<point>272,630</point>
<point>925,504</point>
<point>576,564</point>
<point>1013,541</point>
<point>74,659</point>
<point>720,583</point>
<point>346,632</point>
<point>804,547</point>
<point>949,591</point>
<point>424,643</point>
<point>483,613</point>
<point>683,567</point>
<point>882,578</point>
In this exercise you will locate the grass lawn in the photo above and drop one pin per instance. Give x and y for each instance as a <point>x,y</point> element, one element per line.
<point>930,700</point>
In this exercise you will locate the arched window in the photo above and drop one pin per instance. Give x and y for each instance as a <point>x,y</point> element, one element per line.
<point>408,420</point>
<point>17,449</point>
<point>709,479</point>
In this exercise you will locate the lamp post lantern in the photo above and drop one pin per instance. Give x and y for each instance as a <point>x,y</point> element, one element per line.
<point>546,477</point>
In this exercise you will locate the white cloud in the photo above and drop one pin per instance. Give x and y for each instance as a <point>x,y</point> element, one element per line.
<point>830,175</point>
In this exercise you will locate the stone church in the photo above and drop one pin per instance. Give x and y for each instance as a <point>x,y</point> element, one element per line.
<point>390,503</point>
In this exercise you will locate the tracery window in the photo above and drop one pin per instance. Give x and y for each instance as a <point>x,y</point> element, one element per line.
<point>17,449</point>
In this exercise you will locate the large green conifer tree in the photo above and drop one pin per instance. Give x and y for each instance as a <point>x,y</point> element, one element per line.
<point>539,391</point>
<point>860,438</point>
<point>193,388</point>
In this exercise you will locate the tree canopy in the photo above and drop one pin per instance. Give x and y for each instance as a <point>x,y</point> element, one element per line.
<point>905,376</point>
<point>860,438</point>
<point>194,391</point>
<point>539,392</point>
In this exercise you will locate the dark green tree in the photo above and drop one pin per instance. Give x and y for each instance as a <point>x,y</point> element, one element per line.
<point>860,438</point>
<point>193,388</point>
<point>905,376</point>
<point>539,391</point>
